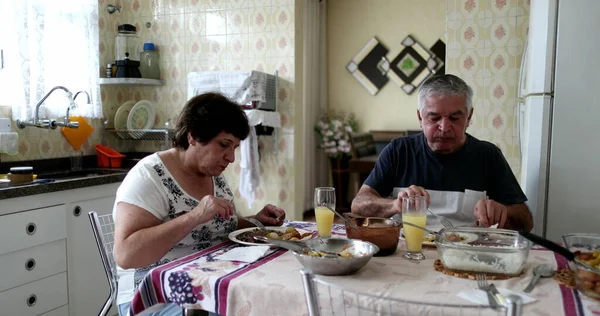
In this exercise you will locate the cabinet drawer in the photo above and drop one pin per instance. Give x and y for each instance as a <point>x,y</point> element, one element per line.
<point>30,264</point>
<point>36,297</point>
<point>61,311</point>
<point>31,228</point>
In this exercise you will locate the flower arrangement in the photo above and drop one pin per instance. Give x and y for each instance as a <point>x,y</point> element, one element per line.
<point>334,130</point>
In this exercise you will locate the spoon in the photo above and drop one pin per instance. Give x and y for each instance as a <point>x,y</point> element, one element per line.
<point>398,218</point>
<point>349,222</point>
<point>296,246</point>
<point>542,270</point>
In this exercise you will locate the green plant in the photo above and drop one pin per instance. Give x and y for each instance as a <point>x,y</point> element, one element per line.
<point>334,130</point>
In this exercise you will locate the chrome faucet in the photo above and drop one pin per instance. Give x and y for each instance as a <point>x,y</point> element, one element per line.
<point>72,106</point>
<point>50,123</point>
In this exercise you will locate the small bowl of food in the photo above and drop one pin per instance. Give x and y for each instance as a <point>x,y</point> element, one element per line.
<point>352,255</point>
<point>586,265</point>
<point>382,232</point>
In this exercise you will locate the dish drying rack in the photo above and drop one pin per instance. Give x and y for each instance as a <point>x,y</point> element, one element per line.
<point>143,134</point>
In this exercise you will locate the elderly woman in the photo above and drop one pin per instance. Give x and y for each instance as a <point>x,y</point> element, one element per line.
<point>176,202</point>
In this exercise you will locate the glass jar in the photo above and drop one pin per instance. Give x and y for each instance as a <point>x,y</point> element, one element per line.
<point>127,43</point>
<point>149,62</point>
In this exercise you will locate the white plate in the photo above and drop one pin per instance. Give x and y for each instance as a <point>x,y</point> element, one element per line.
<point>233,235</point>
<point>122,114</point>
<point>468,237</point>
<point>141,116</point>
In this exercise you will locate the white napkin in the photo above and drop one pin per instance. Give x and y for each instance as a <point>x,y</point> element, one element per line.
<point>478,296</point>
<point>244,254</point>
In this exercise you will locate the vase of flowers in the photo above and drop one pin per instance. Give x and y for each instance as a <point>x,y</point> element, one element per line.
<point>334,131</point>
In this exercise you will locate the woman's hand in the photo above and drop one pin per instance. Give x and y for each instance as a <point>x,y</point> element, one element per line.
<point>271,215</point>
<point>210,206</point>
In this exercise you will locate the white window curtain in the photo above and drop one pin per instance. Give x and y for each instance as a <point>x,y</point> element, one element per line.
<point>48,44</point>
<point>314,94</point>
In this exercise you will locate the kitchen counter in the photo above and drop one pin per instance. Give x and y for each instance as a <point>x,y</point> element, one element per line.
<point>59,170</point>
<point>66,180</point>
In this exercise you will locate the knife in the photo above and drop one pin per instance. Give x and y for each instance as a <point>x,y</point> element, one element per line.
<point>499,297</point>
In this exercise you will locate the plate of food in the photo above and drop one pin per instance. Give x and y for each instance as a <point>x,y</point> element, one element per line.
<point>429,239</point>
<point>246,236</point>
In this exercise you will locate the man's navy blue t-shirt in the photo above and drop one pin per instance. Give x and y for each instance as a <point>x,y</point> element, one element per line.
<point>478,166</point>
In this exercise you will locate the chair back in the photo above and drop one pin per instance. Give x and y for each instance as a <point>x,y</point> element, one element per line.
<point>324,298</point>
<point>362,145</point>
<point>103,228</point>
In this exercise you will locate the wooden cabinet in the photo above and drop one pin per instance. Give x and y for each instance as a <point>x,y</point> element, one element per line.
<point>53,266</point>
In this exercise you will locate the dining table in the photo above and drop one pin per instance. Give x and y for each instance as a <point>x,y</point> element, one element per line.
<point>272,285</point>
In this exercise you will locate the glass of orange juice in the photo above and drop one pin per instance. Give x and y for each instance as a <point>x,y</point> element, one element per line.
<point>414,210</point>
<point>324,198</point>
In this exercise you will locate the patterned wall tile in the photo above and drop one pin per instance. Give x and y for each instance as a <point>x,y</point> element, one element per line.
<point>237,46</point>
<point>197,35</point>
<point>216,22</point>
<point>259,20</point>
<point>496,30</point>
<point>237,21</point>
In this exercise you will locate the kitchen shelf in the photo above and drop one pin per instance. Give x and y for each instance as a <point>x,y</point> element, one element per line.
<point>143,134</point>
<point>132,81</point>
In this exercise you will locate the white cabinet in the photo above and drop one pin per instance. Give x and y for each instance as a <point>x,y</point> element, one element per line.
<point>54,230</point>
<point>88,287</point>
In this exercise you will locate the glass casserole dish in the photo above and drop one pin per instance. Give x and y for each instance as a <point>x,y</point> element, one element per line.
<point>486,250</point>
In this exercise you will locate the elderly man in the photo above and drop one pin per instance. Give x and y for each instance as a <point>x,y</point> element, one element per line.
<point>466,179</point>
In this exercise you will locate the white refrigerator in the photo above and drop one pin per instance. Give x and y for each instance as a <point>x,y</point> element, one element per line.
<point>560,114</point>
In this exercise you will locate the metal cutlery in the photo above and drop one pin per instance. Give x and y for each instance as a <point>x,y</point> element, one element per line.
<point>444,221</point>
<point>483,285</point>
<point>543,271</point>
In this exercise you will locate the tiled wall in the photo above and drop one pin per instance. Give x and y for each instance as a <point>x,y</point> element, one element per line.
<point>485,47</point>
<point>197,35</point>
<point>207,35</point>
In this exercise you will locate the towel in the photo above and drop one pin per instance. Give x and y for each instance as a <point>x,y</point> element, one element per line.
<point>250,172</point>
<point>478,296</point>
<point>244,254</point>
<point>266,118</point>
<point>9,143</point>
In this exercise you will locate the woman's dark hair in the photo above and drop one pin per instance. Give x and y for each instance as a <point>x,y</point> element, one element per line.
<point>206,115</point>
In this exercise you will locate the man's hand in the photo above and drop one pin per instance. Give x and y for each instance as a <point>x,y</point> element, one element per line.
<point>490,212</point>
<point>414,190</point>
<point>271,215</point>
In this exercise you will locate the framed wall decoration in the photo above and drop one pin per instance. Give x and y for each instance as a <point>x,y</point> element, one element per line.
<point>407,66</point>
<point>364,66</point>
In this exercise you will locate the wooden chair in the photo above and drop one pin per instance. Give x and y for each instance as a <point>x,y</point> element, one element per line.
<point>362,144</point>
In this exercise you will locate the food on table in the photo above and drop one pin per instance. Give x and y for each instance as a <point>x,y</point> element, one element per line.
<point>589,280</point>
<point>412,235</point>
<point>290,233</point>
<point>455,237</point>
<point>510,262</point>
<point>324,218</point>
<point>344,253</point>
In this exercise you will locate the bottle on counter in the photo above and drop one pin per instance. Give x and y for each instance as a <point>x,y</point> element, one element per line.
<point>109,71</point>
<point>149,62</point>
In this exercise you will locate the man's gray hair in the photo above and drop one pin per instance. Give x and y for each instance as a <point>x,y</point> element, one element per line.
<point>442,86</point>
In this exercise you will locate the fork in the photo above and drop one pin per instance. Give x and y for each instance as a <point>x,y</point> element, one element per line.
<point>483,285</point>
<point>445,222</point>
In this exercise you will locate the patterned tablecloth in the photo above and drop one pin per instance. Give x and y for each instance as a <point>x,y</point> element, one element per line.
<point>273,285</point>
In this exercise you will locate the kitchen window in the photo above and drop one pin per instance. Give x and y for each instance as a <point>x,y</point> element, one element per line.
<point>47,44</point>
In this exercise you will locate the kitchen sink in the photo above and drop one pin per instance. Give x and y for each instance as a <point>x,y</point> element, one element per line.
<point>76,174</point>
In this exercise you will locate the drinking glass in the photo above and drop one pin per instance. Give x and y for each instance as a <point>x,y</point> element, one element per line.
<point>414,210</point>
<point>324,197</point>
<point>76,160</point>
